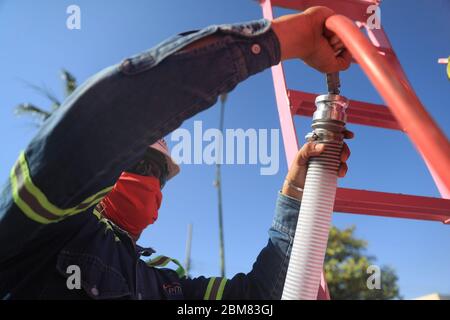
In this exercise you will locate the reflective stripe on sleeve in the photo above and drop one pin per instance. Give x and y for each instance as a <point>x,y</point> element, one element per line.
<point>33,202</point>
<point>215,288</point>
<point>162,261</point>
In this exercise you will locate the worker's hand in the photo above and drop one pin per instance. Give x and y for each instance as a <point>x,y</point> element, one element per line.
<point>297,172</point>
<point>305,36</point>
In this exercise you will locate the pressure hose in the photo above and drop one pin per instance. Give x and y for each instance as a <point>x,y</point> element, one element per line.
<point>314,220</point>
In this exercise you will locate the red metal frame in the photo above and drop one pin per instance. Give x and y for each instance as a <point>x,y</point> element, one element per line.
<point>388,78</point>
<point>404,112</point>
<point>376,115</point>
<point>354,9</point>
<point>392,205</point>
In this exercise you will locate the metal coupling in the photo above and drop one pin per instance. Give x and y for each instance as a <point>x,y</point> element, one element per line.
<point>330,116</point>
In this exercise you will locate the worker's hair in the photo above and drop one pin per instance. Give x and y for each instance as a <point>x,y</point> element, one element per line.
<point>154,164</point>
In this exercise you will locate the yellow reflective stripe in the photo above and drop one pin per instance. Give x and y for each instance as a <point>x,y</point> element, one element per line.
<point>22,205</point>
<point>159,261</point>
<point>448,68</point>
<point>180,270</point>
<point>97,214</point>
<point>208,289</point>
<point>215,288</point>
<point>162,261</point>
<point>42,199</point>
<point>37,207</point>
<point>221,289</point>
<point>108,227</point>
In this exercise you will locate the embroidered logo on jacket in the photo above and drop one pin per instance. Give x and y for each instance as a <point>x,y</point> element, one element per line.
<point>173,289</point>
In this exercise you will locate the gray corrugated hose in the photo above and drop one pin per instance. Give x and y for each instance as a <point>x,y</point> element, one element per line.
<point>314,221</point>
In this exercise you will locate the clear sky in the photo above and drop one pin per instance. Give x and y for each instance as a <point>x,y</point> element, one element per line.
<point>35,45</point>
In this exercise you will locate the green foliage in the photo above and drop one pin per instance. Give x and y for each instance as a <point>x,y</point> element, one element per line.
<point>346,269</point>
<point>41,114</point>
<point>70,83</point>
<point>30,109</point>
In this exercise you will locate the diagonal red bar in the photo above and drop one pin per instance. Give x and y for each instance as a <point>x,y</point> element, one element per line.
<point>392,205</point>
<point>359,112</point>
<point>354,9</point>
<point>412,116</point>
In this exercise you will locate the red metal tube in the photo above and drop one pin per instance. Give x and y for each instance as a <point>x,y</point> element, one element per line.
<point>399,97</point>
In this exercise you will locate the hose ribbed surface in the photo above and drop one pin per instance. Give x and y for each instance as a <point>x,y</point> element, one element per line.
<point>313,226</point>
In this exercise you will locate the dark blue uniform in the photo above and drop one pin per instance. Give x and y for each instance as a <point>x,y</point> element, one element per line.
<point>48,221</point>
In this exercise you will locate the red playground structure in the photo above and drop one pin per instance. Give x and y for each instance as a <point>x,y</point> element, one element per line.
<point>403,111</point>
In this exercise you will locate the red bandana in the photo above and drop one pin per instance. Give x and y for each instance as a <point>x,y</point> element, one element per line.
<point>133,202</point>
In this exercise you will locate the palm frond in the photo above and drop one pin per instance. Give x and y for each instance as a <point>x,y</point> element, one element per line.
<point>45,92</point>
<point>27,108</point>
<point>70,82</point>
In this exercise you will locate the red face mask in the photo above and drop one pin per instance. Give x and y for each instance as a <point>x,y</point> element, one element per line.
<point>133,202</point>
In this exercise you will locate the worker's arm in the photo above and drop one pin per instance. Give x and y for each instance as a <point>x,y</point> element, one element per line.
<point>104,127</point>
<point>266,279</point>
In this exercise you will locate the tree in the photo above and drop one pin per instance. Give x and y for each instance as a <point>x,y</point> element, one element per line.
<point>346,266</point>
<point>70,84</point>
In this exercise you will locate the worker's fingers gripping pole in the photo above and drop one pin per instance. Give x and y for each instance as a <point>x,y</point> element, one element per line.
<point>314,221</point>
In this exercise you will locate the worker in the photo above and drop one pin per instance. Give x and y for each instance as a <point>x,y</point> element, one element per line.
<point>90,181</point>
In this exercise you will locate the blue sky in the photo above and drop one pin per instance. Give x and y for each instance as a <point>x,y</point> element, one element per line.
<point>36,44</point>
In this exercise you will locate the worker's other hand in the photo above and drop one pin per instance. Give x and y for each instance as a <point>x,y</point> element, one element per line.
<point>304,36</point>
<point>297,173</point>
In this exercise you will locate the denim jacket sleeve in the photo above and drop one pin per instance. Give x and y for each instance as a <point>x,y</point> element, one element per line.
<point>104,126</point>
<point>266,279</point>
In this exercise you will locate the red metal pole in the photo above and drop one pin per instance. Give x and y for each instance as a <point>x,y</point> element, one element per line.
<point>400,98</point>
